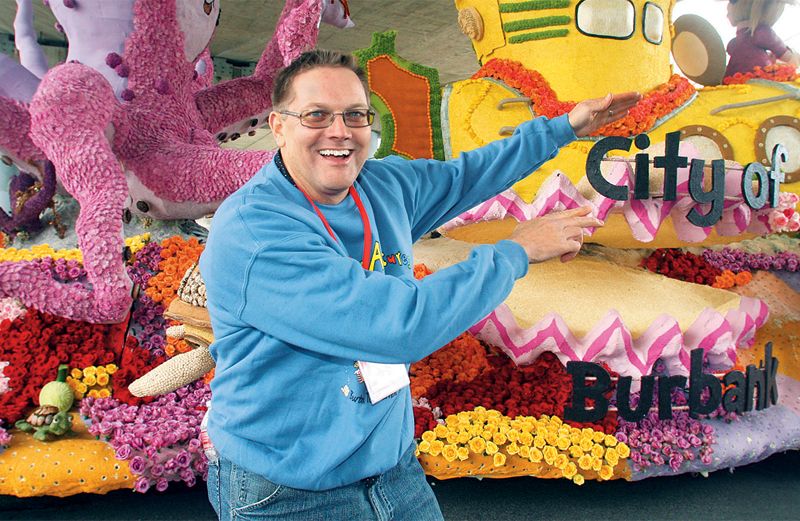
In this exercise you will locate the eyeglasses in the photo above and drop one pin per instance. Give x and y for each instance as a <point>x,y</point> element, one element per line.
<point>324,118</point>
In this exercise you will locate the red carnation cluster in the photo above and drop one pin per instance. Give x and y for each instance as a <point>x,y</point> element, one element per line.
<point>36,343</point>
<point>135,363</point>
<point>543,387</point>
<point>677,264</point>
<point>423,421</point>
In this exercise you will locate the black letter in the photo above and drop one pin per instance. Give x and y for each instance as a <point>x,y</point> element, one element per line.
<point>581,392</point>
<point>624,398</point>
<point>697,381</point>
<point>753,201</point>
<point>665,386</point>
<point>733,399</point>
<point>670,162</point>
<point>595,175</point>
<point>770,372</point>
<point>716,196</point>
<point>641,189</point>
<point>755,378</point>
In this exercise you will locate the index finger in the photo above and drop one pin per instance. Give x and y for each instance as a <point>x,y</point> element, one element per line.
<point>575,212</point>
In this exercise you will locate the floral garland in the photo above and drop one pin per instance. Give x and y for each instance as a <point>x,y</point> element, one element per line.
<point>488,432</point>
<point>688,267</point>
<point>94,382</point>
<point>655,104</point>
<point>462,360</point>
<point>739,260</point>
<point>160,440</point>
<point>774,72</point>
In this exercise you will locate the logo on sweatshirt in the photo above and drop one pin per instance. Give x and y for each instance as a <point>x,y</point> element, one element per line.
<point>398,258</point>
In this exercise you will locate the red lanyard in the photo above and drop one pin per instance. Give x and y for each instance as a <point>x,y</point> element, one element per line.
<point>367,255</point>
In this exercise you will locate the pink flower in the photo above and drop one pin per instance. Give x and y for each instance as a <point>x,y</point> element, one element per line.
<point>142,485</point>
<point>162,484</point>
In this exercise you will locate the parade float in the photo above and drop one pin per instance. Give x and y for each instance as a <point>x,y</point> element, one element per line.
<point>667,346</point>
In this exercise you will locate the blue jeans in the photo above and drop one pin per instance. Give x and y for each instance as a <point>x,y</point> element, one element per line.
<point>401,493</point>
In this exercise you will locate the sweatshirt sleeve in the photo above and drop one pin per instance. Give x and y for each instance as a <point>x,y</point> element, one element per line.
<point>446,189</point>
<point>303,293</point>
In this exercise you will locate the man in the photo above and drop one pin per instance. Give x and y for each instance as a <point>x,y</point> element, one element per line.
<point>311,414</point>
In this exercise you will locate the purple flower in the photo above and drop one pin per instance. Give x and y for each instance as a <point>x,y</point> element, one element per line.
<point>124,452</point>
<point>137,465</point>
<point>162,484</point>
<point>142,485</point>
<point>183,459</point>
<point>157,470</point>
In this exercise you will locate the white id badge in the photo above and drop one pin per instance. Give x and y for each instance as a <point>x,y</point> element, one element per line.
<point>383,379</point>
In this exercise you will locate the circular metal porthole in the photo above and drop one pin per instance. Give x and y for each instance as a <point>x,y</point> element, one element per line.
<point>784,130</point>
<point>709,142</point>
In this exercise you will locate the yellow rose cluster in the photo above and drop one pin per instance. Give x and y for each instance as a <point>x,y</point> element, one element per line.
<point>548,440</point>
<point>94,382</point>
<point>38,251</point>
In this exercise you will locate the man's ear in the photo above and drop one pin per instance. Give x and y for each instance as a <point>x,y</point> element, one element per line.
<point>276,126</point>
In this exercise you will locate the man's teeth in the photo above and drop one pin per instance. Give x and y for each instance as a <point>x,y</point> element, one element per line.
<point>337,153</point>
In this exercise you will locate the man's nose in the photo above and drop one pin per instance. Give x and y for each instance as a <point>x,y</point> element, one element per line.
<point>338,128</point>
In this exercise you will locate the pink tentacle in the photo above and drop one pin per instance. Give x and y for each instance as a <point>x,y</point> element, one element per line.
<point>69,115</point>
<point>236,100</point>
<point>15,123</point>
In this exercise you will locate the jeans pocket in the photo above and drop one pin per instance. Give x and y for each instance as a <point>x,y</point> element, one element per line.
<point>255,493</point>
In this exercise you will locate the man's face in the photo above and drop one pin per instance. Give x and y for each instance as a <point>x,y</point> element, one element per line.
<point>323,161</point>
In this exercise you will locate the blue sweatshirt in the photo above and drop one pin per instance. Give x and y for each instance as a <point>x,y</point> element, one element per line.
<point>292,309</point>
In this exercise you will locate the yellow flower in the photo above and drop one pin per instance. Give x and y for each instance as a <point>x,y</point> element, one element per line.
<point>102,379</point>
<point>104,393</point>
<point>597,464</point>
<point>499,438</point>
<point>512,449</point>
<point>480,409</point>
<point>551,438</point>
<point>578,479</point>
<point>462,453</point>
<point>100,369</point>
<point>463,437</point>
<point>564,430</point>
<point>76,373</point>
<point>524,451</point>
<point>575,437</point>
<point>436,447</point>
<point>513,435</point>
<point>586,444</point>
<point>487,435</point>
<point>597,451</point>
<point>535,456</point>
<point>491,448</point>
<point>111,368</point>
<point>598,436</point>
<point>424,446</point>
<point>585,462</point>
<point>586,431</point>
<point>499,459</point>
<point>563,443</point>
<point>492,413</point>
<point>555,420</point>
<point>526,438</point>
<point>570,470</point>
<point>612,456</point>
<point>539,442</point>
<point>550,454</point>
<point>623,450</point>
<point>440,431</point>
<point>449,452</point>
<point>464,416</point>
<point>417,452</point>
<point>82,388</point>
<point>606,472</point>
<point>477,445</point>
<point>541,431</point>
<point>451,419</point>
<point>610,440</point>
<point>92,393</point>
<point>575,451</point>
<point>452,437</point>
<point>561,461</point>
<point>91,370</point>
<point>90,380</point>
<point>428,436</point>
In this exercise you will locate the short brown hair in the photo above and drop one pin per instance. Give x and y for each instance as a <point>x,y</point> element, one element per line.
<point>311,60</point>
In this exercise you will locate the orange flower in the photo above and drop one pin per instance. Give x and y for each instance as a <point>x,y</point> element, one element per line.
<point>743,277</point>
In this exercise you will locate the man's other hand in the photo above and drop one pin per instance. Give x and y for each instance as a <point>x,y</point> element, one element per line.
<point>557,234</point>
